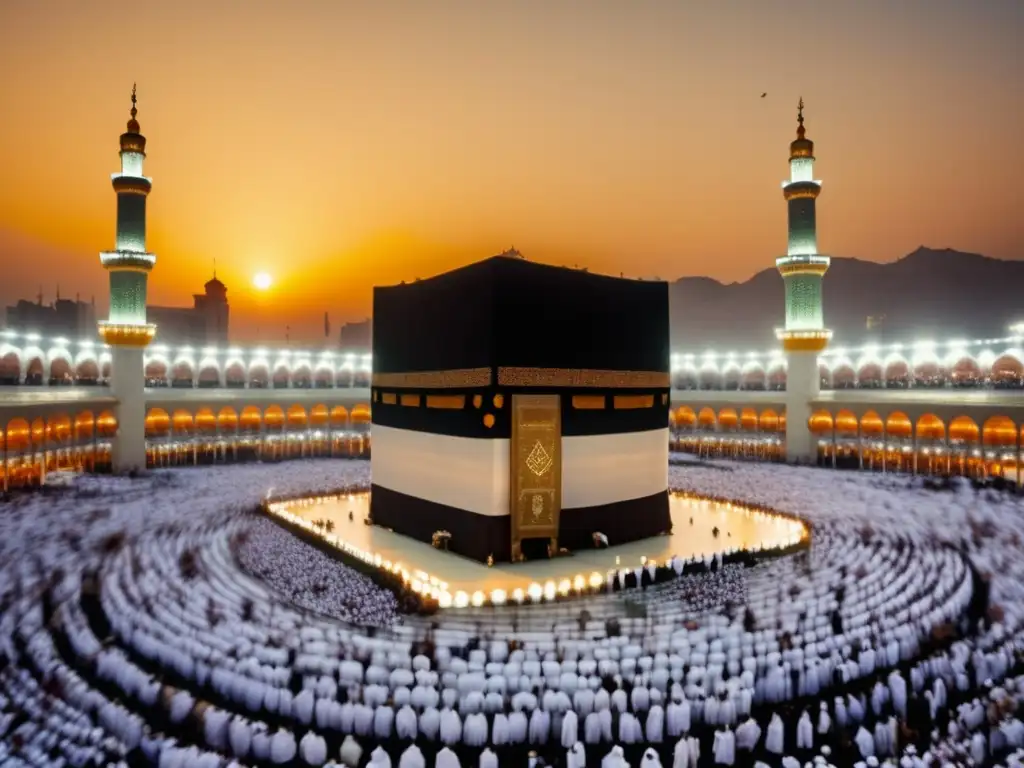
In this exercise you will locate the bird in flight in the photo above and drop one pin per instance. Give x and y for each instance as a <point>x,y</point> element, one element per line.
<point>764,94</point>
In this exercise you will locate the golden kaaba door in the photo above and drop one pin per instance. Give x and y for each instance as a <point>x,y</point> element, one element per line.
<point>536,470</point>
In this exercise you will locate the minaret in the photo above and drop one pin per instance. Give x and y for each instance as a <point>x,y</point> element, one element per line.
<point>126,329</point>
<point>802,270</point>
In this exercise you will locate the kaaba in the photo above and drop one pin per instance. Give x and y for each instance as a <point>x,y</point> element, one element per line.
<point>517,404</point>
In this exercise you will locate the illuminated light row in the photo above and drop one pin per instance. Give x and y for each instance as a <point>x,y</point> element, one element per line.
<point>434,588</point>
<point>925,347</point>
<point>678,359</point>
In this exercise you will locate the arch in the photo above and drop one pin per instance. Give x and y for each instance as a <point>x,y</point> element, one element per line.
<point>35,371</point>
<point>250,419</point>
<point>768,421</point>
<point>897,424</point>
<point>182,422</point>
<point>158,422</point>
<point>748,419</point>
<point>821,422</point>
<point>965,372</point>
<point>361,415</point>
<point>302,376</point>
<point>844,376</point>
<point>728,418</point>
<point>206,422</point>
<point>964,429</point>
<point>281,377</point>
<point>59,428</point>
<point>999,430</point>
<point>105,368</point>
<point>846,422</point>
<point>259,375</point>
<point>709,378</point>
<point>37,429</point>
<point>227,419</point>
<point>323,376</point>
<point>897,372</point>
<point>343,377</point>
<point>706,419</point>
<point>297,417</point>
<point>1007,371</point>
<point>84,426</point>
<point>106,424</point>
<point>318,415</point>
<point>209,374</point>
<point>930,427</point>
<point>18,435</point>
<point>10,365</point>
<point>685,417</point>
<point>753,376</point>
<point>273,417</point>
<point>60,371</point>
<point>869,373</point>
<point>871,424</point>
<point>234,374</point>
<point>928,372</point>
<point>155,370</point>
<point>87,371</point>
<point>361,378</point>
<point>182,374</point>
<point>776,375</point>
<point>731,376</point>
<point>339,416</point>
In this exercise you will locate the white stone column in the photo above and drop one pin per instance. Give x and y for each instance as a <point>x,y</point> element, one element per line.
<point>127,384</point>
<point>802,387</point>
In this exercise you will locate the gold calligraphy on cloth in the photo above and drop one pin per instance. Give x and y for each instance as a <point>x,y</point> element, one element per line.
<point>536,470</point>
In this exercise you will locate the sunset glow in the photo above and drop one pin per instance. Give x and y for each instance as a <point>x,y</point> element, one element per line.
<point>262,281</point>
<point>348,139</point>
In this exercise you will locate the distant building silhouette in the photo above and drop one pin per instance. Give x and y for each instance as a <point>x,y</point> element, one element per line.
<point>204,323</point>
<point>356,337</point>
<point>69,318</point>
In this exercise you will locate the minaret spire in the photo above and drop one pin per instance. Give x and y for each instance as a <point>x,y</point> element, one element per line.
<point>129,263</point>
<point>128,266</point>
<point>803,269</point>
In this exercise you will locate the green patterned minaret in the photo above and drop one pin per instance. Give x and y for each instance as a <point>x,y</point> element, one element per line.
<point>802,267</point>
<point>126,329</point>
<point>802,270</point>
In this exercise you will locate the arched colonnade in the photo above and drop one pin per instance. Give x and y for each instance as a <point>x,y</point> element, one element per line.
<point>936,441</point>
<point>203,434</point>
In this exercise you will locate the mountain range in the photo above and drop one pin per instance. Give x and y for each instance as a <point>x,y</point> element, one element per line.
<point>934,294</point>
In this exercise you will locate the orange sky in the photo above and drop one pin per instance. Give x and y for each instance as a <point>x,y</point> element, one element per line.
<point>339,144</point>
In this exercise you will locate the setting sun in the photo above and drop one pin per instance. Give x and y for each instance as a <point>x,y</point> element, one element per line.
<point>262,281</point>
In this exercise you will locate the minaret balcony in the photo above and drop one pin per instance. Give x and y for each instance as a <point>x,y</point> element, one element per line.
<point>811,264</point>
<point>811,340</point>
<point>137,260</point>
<point>127,334</point>
<point>131,185</point>
<point>793,190</point>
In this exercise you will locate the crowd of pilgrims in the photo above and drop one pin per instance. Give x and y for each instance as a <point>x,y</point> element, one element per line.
<point>951,699</point>
<point>314,580</point>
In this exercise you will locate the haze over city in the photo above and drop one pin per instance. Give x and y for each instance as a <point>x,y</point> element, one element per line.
<point>344,145</point>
